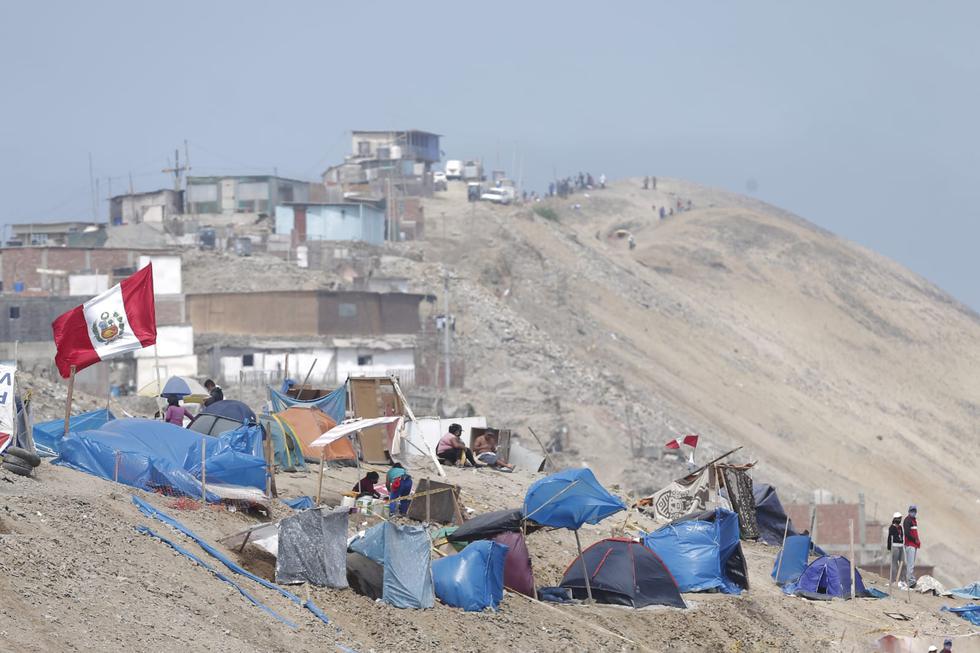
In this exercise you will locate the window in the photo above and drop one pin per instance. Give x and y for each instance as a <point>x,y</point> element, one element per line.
<point>347,310</point>
<point>15,312</point>
<point>248,360</point>
<point>363,148</point>
<point>366,359</point>
<point>39,239</point>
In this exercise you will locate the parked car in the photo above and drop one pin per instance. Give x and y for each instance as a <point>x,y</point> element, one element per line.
<point>454,169</point>
<point>439,180</point>
<point>496,195</point>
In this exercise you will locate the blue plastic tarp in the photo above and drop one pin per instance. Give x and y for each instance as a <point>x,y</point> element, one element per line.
<point>334,404</point>
<point>970,612</point>
<point>299,503</point>
<point>407,567</point>
<point>48,435</point>
<point>569,499</point>
<point>371,544</point>
<point>153,454</point>
<point>696,552</point>
<point>971,591</point>
<point>794,557</point>
<point>473,579</point>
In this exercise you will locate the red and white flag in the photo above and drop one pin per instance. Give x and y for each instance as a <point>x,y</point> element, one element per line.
<point>689,440</point>
<point>120,320</point>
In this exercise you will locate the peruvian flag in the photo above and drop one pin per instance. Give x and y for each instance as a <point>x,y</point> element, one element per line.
<point>689,440</point>
<point>120,320</point>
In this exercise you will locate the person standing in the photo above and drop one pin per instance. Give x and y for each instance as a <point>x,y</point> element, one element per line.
<point>399,484</point>
<point>948,646</point>
<point>646,183</point>
<point>910,528</point>
<point>896,543</point>
<point>215,392</point>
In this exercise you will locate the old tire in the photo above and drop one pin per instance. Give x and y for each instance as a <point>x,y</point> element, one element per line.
<point>31,459</point>
<point>17,466</point>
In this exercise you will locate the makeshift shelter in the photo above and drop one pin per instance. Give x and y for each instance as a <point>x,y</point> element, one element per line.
<point>489,524</point>
<point>403,551</point>
<point>286,450</point>
<point>365,576</point>
<point>737,484</point>
<point>622,572</point>
<point>334,404</point>
<point>437,502</point>
<point>769,514</point>
<point>473,579</point>
<point>48,435</point>
<point>827,577</point>
<point>517,565</point>
<point>376,397</point>
<point>150,454</point>
<point>308,423</point>
<point>703,554</point>
<point>791,559</point>
<point>313,548</point>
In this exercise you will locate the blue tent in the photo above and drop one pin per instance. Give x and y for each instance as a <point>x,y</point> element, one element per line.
<point>794,557</point>
<point>698,553</point>
<point>403,551</point>
<point>334,404</point>
<point>473,579</point>
<point>827,576</point>
<point>231,409</point>
<point>569,499</point>
<point>153,454</point>
<point>48,435</point>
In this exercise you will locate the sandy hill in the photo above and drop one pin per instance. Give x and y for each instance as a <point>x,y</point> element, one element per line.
<point>835,367</point>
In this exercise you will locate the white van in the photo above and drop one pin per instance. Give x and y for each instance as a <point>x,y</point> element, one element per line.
<point>454,169</point>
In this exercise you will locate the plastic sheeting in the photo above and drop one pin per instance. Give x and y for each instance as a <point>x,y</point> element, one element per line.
<point>517,566</point>
<point>473,579</point>
<point>300,503</point>
<point>487,525</point>
<point>154,454</point>
<point>334,404</point>
<point>286,448</point>
<point>697,552</point>
<point>408,567</point>
<point>794,559</point>
<point>969,612</point>
<point>48,435</point>
<point>313,548</point>
<point>569,499</point>
<point>769,514</point>
<point>372,544</point>
<point>971,591</point>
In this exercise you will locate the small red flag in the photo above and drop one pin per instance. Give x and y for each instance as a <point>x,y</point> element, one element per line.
<point>120,320</point>
<point>689,440</point>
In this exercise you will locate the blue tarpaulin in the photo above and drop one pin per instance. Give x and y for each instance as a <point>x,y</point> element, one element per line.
<point>371,544</point>
<point>473,579</point>
<point>971,591</point>
<point>154,454</point>
<point>334,404</point>
<point>569,499</point>
<point>403,551</point>
<point>794,559</point>
<point>697,552</point>
<point>48,435</point>
<point>970,612</point>
<point>299,503</point>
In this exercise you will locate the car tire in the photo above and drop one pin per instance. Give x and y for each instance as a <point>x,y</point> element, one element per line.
<point>17,466</point>
<point>31,459</point>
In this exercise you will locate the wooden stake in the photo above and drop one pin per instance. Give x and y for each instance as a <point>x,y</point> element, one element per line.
<point>850,528</point>
<point>541,444</point>
<point>270,485</point>
<point>585,569</point>
<point>307,377</point>
<point>782,551</point>
<point>428,496</point>
<point>319,485</point>
<point>115,473</point>
<point>204,471</point>
<point>71,391</point>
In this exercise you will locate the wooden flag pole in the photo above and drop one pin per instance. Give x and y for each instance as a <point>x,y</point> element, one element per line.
<point>782,551</point>
<point>585,568</point>
<point>204,472</point>
<point>71,390</point>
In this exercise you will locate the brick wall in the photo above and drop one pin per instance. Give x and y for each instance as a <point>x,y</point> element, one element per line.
<point>22,264</point>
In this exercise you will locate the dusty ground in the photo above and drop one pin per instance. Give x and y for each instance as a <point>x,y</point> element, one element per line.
<point>77,576</point>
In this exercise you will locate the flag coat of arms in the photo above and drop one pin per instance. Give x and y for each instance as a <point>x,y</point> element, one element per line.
<point>120,320</point>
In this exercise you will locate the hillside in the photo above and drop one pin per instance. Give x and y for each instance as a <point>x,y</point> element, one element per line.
<point>834,367</point>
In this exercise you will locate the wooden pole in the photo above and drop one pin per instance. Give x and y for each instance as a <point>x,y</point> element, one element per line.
<point>585,569</point>
<point>115,472</point>
<point>428,496</point>
<point>307,376</point>
<point>850,528</point>
<point>782,551</point>
<point>319,485</point>
<point>270,485</point>
<point>204,471</point>
<point>541,444</point>
<point>285,374</point>
<point>71,390</point>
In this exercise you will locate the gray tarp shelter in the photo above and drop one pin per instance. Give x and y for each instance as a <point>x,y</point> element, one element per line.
<point>313,548</point>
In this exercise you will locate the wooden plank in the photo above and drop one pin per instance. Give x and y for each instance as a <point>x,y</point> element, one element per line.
<point>365,400</point>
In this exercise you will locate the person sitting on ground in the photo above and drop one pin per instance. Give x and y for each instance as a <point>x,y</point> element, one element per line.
<point>399,484</point>
<point>896,541</point>
<point>365,486</point>
<point>176,413</point>
<point>485,448</point>
<point>451,448</point>
<point>215,392</point>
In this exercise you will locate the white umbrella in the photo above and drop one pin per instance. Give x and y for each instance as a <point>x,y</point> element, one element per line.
<point>351,426</point>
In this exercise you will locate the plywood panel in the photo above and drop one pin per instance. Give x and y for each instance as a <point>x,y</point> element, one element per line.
<point>365,402</point>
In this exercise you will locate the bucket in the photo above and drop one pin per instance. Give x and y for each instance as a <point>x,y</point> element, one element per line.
<point>347,502</point>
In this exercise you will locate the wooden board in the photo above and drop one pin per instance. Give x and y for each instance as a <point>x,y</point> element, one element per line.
<point>374,397</point>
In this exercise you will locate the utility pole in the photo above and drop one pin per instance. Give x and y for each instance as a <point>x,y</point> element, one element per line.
<point>178,169</point>
<point>446,336</point>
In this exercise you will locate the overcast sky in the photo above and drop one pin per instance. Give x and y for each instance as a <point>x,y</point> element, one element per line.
<point>859,116</point>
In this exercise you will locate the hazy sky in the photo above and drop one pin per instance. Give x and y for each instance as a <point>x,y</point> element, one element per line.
<point>860,116</point>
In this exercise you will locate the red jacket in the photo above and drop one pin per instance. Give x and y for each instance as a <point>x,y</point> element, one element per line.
<point>911,528</point>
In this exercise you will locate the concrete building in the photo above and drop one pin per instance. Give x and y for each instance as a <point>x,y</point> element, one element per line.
<point>46,234</point>
<point>258,194</point>
<point>346,221</point>
<point>304,313</point>
<point>152,206</point>
<point>46,270</point>
<point>406,157</point>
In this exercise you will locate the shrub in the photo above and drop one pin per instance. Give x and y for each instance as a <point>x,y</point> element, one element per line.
<point>546,212</point>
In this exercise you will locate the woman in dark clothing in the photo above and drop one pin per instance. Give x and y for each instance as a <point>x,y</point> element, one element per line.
<point>896,541</point>
<point>365,486</point>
